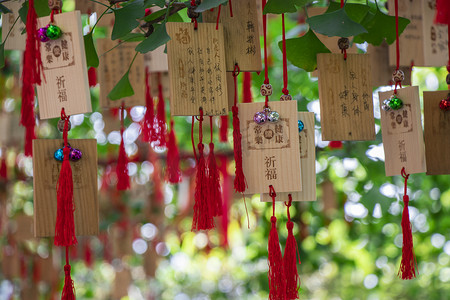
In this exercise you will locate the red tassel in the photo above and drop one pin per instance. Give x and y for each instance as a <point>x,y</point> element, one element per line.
<point>27,113</point>
<point>335,145</point>
<point>247,96</point>
<point>277,280</point>
<point>203,218</point>
<point>408,264</point>
<point>240,183</point>
<point>65,225</point>
<point>88,257</point>
<point>442,12</point>
<point>215,193</point>
<point>92,77</point>
<point>173,172</point>
<point>123,180</point>
<point>4,169</point>
<point>290,259</point>
<point>160,117</point>
<point>68,292</point>
<point>36,271</point>
<point>225,198</point>
<point>223,130</point>
<point>148,133</point>
<point>158,193</point>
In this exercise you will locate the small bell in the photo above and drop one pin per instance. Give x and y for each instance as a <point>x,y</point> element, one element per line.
<point>445,104</point>
<point>385,105</point>
<point>42,34</point>
<point>59,154</point>
<point>395,102</point>
<point>301,126</point>
<point>273,117</point>
<point>260,118</point>
<point>75,154</point>
<point>53,32</point>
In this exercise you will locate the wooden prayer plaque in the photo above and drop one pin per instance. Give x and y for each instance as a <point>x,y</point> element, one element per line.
<point>270,152</point>
<point>65,71</point>
<point>46,174</point>
<point>307,163</point>
<point>156,60</point>
<point>402,133</point>
<point>16,40</point>
<point>345,92</point>
<point>241,35</point>
<point>437,133</point>
<point>381,70</point>
<point>197,69</point>
<point>113,65</point>
<point>423,42</point>
<point>165,82</point>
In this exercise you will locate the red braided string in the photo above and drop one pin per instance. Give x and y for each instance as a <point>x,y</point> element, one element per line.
<point>266,60</point>
<point>285,71</point>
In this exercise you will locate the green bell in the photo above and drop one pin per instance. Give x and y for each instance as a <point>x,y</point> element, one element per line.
<point>395,103</point>
<point>54,32</point>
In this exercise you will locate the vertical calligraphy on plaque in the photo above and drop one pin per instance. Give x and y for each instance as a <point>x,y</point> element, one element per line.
<point>197,69</point>
<point>270,151</point>
<point>65,71</point>
<point>436,129</point>
<point>345,93</point>
<point>307,148</point>
<point>435,37</point>
<point>46,171</point>
<point>241,35</point>
<point>113,65</point>
<point>16,40</point>
<point>402,134</point>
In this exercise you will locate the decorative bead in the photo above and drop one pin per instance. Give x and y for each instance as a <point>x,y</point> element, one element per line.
<point>445,104</point>
<point>75,154</point>
<point>385,106</point>
<point>59,154</point>
<point>192,14</point>
<point>343,43</point>
<point>61,126</point>
<point>55,4</point>
<point>266,110</point>
<point>53,32</point>
<point>42,34</point>
<point>448,79</point>
<point>395,103</point>
<point>260,118</point>
<point>273,117</point>
<point>266,89</point>
<point>301,126</point>
<point>285,97</point>
<point>398,76</point>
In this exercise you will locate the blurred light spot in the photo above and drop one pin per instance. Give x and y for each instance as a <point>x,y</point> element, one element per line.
<point>435,193</point>
<point>181,296</point>
<point>381,262</point>
<point>140,246</point>
<point>350,164</point>
<point>170,211</point>
<point>200,240</point>
<point>388,189</point>
<point>225,285</point>
<point>77,119</point>
<point>95,116</point>
<point>437,240</point>
<point>375,152</point>
<point>377,211</point>
<point>432,82</point>
<point>355,210</point>
<point>447,248</point>
<point>162,249</point>
<point>137,113</point>
<point>370,281</point>
<point>114,137</point>
<point>9,105</point>
<point>131,149</point>
<point>149,231</point>
<point>389,229</point>
<point>444,275</point>
<point>132,169</point>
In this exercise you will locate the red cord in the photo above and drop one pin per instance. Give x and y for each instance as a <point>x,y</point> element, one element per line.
<point>235,75</point>
<point>122,118</point>
<point>342,3</point>
<point>192,138</point>
<point>272,194</point>
<point>194,20</point>
<point>231,8</point>
<point>211,127</point>
<point>266,60</point>
<point>405,176</point>
<point>218,17</point>
<point>285,71</point>
<point>448,64</point>
<point>397,41</point>
<point>200,132</point>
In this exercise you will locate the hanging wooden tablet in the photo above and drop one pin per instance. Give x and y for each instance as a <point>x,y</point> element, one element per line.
<point>156,60</point>
<point>402,133</point>
<point>46,173</point>
<point>423,43</point>
<point>345,93</point>
<point>381,70</point>
<point>164,81</point>
<point>197,69</point>
<point>64,60</point>
<point>113,65</point>
<point>307,163</point>
<point>241,32</point>
<point>16,40</point>
<point>270,152</point>
<point>436,129</point>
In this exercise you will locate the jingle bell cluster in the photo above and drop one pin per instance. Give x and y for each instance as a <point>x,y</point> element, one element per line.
<point>74,154</point>
<point>266,115</point>
<point>393,103</point>
<point>49,32</point>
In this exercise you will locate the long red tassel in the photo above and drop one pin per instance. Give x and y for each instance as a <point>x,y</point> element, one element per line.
<point>290,259</point>
<point>407,269</point>
<point>173,172</point>
<point>223,129</point>
<point>247,96</point>
<point>442,12</point>
<point>92,76</point>
<point>88,255</point>
<point>215,193</point>
<point>148,131</point>
<point>225,198</point>
<point>31,74</point>
<point>4,168</point>
<point>240,183</point>
<point>160,116</point>
<point>123,180</point>
<point>277,280</point>
<point>65,224</point>
<point>203,218</point>
<point>68,292</point>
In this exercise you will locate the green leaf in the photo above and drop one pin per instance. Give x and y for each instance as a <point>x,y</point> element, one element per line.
<point>4,9</point>
<point>122,89</point>
<point>208,4</point>
<point>302,51</point>
<point>280,7</point>
<point>175,18</point>
<point>155,15</point>
<point>381,27</point>
<point>355,11</point>
<point>149,3</point>
<point>126,18</point>
<point>336,23</point>
<point>91,53</point>
<point>158,38</point>
<point>23,11</point>
<point>134,37</point>
<point>302,2</point>
<point>2,55</point>
<point>42,8</point>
